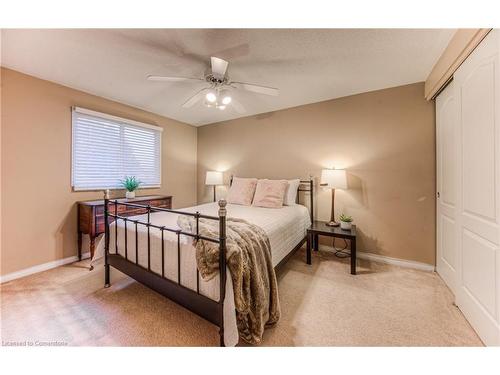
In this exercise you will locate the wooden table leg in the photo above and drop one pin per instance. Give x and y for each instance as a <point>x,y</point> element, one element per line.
<point>308,248</point>
<point>353,256</point>
<point>79,245</point>
<point>92,249</point>
<point>316,242</point>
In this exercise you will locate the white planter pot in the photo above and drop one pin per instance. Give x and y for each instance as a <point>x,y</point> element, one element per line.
<point>345,225</point>
<point>130,194</point>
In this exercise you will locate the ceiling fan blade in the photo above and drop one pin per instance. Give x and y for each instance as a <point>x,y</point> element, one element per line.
<point>219,67</point>
<point>256,88</point>
<point>238,106</point>
<point>173,79</point>
<point>195,98</point>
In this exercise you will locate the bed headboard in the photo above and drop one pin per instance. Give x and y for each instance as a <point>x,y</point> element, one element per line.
<point>305,186</point>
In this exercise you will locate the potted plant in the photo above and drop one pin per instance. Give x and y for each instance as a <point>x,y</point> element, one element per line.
<point>345,222</point>
<point>130,184</point>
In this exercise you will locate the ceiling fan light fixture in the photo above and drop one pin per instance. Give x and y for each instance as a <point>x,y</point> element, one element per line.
<point>211,97</point>
<point>218,93</point>
<point>208,103</point>
<point>226,99</point>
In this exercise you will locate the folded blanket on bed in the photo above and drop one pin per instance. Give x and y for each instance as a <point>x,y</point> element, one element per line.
<point>248,255</point>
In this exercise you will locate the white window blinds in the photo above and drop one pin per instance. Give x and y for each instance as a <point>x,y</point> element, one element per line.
<point>108,148</point>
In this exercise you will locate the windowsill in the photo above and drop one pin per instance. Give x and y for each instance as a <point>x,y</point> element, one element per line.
<point>73,190</point>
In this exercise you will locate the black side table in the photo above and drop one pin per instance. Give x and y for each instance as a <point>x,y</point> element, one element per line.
<point>318,228</point>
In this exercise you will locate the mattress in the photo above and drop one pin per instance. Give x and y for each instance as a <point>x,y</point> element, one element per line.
<point>285,227</point>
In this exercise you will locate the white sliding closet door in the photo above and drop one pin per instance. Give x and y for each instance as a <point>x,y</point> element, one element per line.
<point>446,155</point>
<point>477,95</point>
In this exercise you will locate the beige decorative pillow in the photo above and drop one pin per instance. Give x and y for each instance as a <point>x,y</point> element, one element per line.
<point>241,191</point>
<point>270,193</point>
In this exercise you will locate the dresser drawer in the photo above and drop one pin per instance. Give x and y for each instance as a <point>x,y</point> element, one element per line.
<point>99,224</point>
<point>99,210</point>
<point>163,203</point>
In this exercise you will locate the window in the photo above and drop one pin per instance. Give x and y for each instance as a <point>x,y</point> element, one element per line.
<point>108,148</point>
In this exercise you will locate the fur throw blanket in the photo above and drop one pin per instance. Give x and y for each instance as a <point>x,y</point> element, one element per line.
<point>248,255</point>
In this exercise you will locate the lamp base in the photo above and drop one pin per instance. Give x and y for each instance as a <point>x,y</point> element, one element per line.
<point>332,224</point>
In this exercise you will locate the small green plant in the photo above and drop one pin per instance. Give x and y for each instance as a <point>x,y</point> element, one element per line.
<point>130,183</point>
<point>345,218</point>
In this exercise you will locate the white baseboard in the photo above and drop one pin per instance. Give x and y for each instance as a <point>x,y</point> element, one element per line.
<point>40,268</point>
<point>389,260</point>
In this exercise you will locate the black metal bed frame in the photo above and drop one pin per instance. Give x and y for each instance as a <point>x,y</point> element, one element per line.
<point>211,310</point>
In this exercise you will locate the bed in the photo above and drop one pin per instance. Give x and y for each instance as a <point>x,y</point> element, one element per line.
<point>155,251</point>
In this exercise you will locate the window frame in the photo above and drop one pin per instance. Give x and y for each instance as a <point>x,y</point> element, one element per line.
<point>118,119</point>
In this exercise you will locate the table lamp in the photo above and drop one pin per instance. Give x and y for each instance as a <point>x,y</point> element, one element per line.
<point>333,179</point>
<point>213,178</point>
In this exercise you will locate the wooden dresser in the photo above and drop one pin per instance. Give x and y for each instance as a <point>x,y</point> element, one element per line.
<point>91,215</point>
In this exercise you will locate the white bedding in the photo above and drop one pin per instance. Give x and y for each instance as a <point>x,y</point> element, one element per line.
<point>285,227</point>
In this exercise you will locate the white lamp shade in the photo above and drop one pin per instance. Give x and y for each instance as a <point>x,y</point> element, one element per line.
<point>334,178</point>
<point>213,178</point>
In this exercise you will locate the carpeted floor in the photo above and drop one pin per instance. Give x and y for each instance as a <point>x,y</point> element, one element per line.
<point>322,305</point>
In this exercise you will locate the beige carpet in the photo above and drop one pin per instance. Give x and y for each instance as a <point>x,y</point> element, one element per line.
<point>321,304</point>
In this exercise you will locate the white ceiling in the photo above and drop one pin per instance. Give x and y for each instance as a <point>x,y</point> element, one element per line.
<point>307,65</point>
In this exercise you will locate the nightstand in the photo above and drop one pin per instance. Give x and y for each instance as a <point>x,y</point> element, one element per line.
<point>319,228</point>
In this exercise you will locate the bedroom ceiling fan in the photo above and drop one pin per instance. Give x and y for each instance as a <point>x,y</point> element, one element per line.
<point>218,93</point>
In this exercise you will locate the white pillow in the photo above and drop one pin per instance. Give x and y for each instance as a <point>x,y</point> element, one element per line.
<point>291,192</point>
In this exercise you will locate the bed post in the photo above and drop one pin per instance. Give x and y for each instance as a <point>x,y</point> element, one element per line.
<point>106,239</point>
<point>222,266</point>
<point>311,211</point>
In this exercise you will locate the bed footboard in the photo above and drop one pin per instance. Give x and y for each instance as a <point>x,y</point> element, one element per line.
<point>211,310</point>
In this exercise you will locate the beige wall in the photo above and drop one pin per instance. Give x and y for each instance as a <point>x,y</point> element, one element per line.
<point>39,211</point>
<point>386,140</point>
